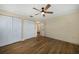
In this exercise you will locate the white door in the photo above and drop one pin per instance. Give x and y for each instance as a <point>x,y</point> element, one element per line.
<point>5,30</point>
<point>16,29</point>
<point>10,30</point>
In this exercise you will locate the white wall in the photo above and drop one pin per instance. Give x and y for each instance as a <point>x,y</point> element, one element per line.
<point>64,27</point>
<point>11,30</point>
<point>29,29</point>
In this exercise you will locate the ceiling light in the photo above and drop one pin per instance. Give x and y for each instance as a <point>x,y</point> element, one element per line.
<point>42,13</point>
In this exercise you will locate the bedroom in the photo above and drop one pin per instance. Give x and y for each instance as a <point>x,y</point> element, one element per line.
<point>27,28</point>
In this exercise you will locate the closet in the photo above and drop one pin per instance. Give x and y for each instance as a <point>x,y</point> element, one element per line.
<point>14,29</point>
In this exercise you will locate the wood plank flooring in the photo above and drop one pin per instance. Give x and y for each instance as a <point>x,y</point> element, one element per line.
<point>40,45</point>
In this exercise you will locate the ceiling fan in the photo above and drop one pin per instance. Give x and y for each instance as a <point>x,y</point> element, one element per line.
<point>43,10</point>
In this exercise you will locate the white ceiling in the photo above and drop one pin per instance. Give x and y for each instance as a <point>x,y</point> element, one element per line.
<point>27,9</point>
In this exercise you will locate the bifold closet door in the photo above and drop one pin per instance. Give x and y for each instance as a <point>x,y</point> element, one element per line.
<point>5,30</point>
<point>29,29</point>
<point>10,30</point>
<point>16,29</point>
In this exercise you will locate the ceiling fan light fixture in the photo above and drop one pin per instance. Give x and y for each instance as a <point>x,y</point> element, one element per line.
<point>42,13</point>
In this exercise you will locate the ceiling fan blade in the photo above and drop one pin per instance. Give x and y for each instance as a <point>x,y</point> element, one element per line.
<point>47,6</point>
<point>37,14</point>
<point>36,9</point>
<point>31,16</point>
<point>49,12</point>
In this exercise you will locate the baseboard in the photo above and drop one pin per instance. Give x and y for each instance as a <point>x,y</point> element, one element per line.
<point>10,43</point>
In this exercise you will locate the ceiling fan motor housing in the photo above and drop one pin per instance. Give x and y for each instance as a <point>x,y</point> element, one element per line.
<point>42,9</point>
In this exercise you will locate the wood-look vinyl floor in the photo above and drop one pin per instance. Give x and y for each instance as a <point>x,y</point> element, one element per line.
<point>40,45</point>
